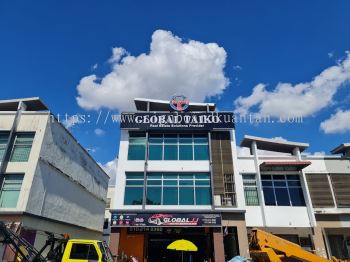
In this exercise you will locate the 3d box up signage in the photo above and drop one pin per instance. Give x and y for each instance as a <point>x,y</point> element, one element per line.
<point>177,120</point>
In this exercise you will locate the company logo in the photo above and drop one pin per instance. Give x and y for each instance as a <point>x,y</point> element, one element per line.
<point>169,220</point>
<point>179,102</point>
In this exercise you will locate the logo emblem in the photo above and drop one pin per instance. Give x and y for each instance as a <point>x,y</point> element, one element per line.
<point>179,102</point>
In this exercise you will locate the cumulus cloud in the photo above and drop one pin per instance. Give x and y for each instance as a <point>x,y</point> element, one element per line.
<point>172,65</point>
<point>111,169</point>
<point>303,99</point>
<point>338,123</point>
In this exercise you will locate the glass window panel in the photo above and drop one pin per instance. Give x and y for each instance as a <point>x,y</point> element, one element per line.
<point>297,196</point>
<point>170,195</point>
<point>170,138</point>
<point>201,152</point>
<point>154,176</point>
<point>279,183</point>
<point>3,143</point>
<point>22,147</point>
<point>186,196</point>
<point>185,139</point>
<point>203,196</point>
<point>269,196</point>
<point>282,197</point>
<point>154,195</point>
<point>200,139</point>
<point>136,152</point>
<point>134,175</point>
<point>134,182</point>
<point>185,182</point>
<point>137,134</point>
<point>293,177</point>
<point>170,182</point>
<point>155,138</point>
<point>266,183</point>
<point>154,182</point>
<point>137,138</point>
<point>266,177</point>
<point>203,182</point>
<point>133,196</point>
<point>169,176</point>
<point>185,152</point>
<point>294,183</point>
<point>251,197</point>
<point>278,177</point>
<point>10,191</point>
<point>248,177</point>
<point>170,152</point>
<point>155,152</point>
<point>186,176</point>
<point>202,176</point>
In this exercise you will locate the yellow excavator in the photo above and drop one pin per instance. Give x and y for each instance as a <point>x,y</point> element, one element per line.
<point>266,247</point>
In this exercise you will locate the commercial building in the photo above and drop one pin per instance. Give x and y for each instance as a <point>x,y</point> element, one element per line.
<point>49,182</point>
<point>179,176</point>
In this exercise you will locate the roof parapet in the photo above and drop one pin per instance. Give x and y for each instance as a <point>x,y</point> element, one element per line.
<point>273,145</point>
<point>343,149</point>
<point>30,104</point>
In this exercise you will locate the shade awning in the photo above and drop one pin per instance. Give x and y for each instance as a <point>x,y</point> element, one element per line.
<point>284,165</point>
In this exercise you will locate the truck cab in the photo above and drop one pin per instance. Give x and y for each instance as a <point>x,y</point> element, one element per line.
<point>82,250</point>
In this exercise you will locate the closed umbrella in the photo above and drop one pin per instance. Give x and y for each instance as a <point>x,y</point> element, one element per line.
<point>182,245</point>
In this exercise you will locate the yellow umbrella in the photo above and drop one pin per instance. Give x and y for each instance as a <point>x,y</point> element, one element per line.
<point>182,245</point>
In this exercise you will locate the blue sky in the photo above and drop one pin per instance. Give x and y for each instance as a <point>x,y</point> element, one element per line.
<point>48,47</point>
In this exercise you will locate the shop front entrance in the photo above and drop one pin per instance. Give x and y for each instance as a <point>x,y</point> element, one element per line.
<point>156,245</point>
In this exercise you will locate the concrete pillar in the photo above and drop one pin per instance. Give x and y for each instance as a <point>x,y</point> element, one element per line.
<point>219,251</point>
<point>243,242</point>
<point>114,243</point>
<point>320,248</point>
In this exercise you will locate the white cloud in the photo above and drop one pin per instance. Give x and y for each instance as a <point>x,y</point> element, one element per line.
<point>172,65</point>
<point>279,138</point>
<point>94,67</point>
<point>99,132</point>
<point>73,120</point>
<point>111,169</point>
<point>338,123</point>
<point>330,54</point>
<point>303,99</point>
<point>317,153</point>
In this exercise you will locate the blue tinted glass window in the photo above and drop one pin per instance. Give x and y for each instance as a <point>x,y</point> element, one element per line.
<point>154,195</point>
<point>186,182</point>
<point>185,138</point>
<point>297,196</point>
<point>22,147</point>
<point>155,152</point>
<point>185,152</point>
<point>170,138</point>
<point>203,196</point>
<point>200,139</point>
<point>269,196</point>
<point>136,152</point>
<point>154,182</point>
<point>266,177</point>
<point>170,182</point>
<point>134,175</point>
<point>202,176</point>
<point>201,152</point>
<point>170,195</point>
<point>266,183</point>
<point>282,197</point>
<point>133,182</point>
<point>133,196</point>
<point>170,152</point>
<point>186,196</point>
<point>202,182</point>
<point>155,138</point>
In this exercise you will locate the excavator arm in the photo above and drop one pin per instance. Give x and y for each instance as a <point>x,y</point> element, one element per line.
<point>266,247</point>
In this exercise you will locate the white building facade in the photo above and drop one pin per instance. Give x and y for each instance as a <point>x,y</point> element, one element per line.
<point>170,175</point>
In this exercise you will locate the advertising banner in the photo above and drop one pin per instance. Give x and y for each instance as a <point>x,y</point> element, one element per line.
<point>177,121</point>
<point>165,220</point>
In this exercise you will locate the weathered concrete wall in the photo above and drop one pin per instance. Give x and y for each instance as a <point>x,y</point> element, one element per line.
<point>68,184</point>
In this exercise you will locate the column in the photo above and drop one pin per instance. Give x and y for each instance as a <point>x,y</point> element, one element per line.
<point>219,252</point>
